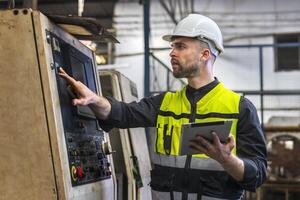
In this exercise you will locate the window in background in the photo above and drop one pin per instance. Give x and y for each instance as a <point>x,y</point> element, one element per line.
<point>287,58</point>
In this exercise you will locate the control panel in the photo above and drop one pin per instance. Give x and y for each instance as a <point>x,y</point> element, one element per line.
<point>84,139</point>
<point>87,158</point>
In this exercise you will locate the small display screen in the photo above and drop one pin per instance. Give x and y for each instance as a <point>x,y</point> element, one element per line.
<point>78,70</point>
<point>82,71</point>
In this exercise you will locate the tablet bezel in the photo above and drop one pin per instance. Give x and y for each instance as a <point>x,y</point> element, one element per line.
<point>191,130</point>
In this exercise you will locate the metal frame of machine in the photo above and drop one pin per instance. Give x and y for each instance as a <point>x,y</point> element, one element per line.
<point>131,142</point>
<point>32,141</point>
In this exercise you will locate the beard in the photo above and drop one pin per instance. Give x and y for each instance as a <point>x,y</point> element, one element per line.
<point>185,70</point>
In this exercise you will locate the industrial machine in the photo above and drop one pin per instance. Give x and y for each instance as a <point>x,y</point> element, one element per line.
<point>131,157</point>
<point>283,145</point>
<point>49,149</point>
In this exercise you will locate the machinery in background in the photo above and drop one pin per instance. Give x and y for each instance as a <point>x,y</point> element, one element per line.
<point>132,160</point>
<point>49,149</point>
<point>283,145</point>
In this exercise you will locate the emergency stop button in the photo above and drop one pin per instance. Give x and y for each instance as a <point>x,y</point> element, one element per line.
<point>80,172</point>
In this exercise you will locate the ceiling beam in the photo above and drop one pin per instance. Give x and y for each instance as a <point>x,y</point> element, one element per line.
<point>177,9</point>
<point>170,11</point>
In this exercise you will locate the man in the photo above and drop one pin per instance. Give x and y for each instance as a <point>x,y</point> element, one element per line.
<point>219,171</point>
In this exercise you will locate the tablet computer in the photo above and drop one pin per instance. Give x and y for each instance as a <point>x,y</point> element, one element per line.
<point>191,130</point>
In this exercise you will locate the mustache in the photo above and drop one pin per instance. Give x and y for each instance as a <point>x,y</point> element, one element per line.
<point>174,61</point>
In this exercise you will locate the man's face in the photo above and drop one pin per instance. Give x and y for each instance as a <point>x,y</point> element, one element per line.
<point>185,57</point>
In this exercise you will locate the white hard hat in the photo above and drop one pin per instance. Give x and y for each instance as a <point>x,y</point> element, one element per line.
<point>202,27</point>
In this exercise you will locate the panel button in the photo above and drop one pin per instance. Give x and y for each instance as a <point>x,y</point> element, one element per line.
<point>74,173</point>
<point>80,172</point>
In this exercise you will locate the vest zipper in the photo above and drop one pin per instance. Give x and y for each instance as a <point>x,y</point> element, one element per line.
<point>193,110</point>
<point>188,160</point>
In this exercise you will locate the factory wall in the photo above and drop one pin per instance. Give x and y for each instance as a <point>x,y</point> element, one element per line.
<point>245,22</point>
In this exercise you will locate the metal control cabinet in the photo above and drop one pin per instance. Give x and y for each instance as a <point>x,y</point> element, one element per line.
<point>132,160</point>
<point>49,149</point>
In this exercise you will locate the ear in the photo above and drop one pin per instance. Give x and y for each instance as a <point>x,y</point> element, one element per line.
<point>206,54</point>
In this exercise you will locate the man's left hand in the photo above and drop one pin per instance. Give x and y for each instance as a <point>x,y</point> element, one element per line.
<point>221,152</point>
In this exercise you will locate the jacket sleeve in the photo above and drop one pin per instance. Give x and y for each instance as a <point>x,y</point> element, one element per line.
<point>251,146</point>
<point>134,114</point>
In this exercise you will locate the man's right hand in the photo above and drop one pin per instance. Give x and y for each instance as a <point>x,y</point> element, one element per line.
<point>85,97</point>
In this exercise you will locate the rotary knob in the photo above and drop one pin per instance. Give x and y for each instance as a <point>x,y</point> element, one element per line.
<point>106,148</point>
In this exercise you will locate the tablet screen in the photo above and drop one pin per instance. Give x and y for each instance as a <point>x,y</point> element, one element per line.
<point>191,130</point>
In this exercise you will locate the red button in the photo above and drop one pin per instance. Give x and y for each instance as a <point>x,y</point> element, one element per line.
<point>79,171</point>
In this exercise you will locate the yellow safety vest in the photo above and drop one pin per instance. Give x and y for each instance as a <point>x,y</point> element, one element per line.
<point>217,105</point>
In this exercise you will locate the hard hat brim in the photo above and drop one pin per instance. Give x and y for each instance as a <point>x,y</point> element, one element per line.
<point>169,37</point>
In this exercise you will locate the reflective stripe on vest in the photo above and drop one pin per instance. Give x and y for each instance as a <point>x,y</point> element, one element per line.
<point>179,162</point>
<point>217,105</point>
<point>157,195</point>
